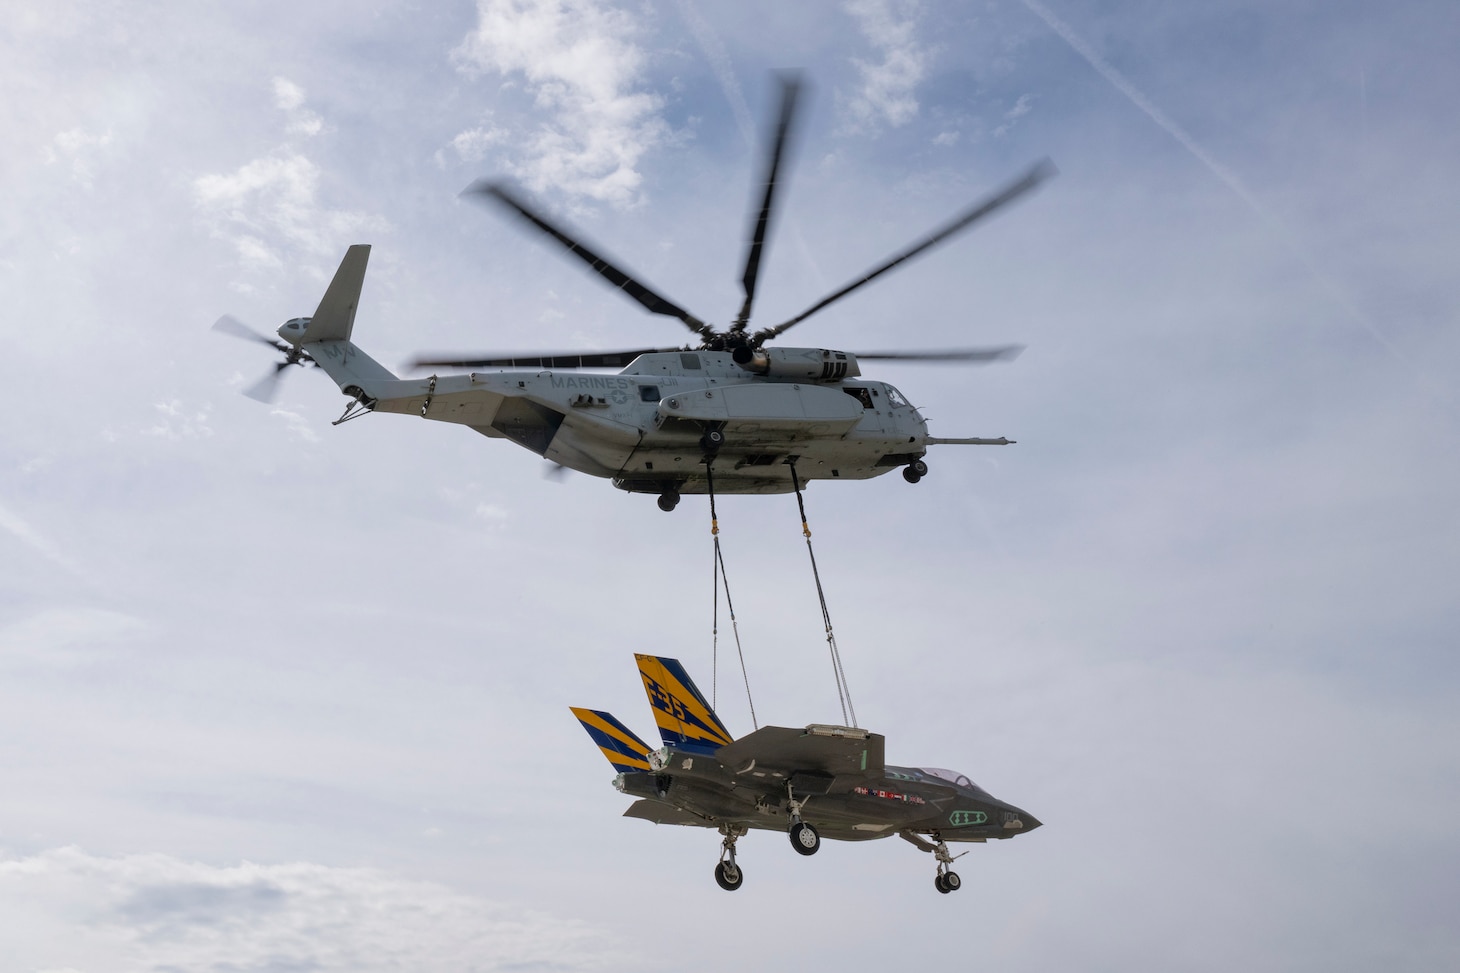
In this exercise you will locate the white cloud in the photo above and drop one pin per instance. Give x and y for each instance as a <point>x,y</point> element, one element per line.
<point>82,149</point>
<point>583,70</point>
<point>1023,106</point>
<point>289,98</point>
<point>68,636</point>
<point>887,87</point>
<point>272,202</point>
<point>67,909</point>
<point>472,144</point>
<point>177,422</point>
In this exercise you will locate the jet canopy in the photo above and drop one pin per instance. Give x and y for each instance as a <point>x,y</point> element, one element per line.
<point>951,776</point>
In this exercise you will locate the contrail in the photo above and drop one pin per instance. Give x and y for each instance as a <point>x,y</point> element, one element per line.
<point>719,60</point>
<point>1335,291</point>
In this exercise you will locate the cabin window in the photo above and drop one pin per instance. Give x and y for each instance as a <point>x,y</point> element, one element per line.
<point>860,393</point>
<point>649,393</point>
<point>689,360</point>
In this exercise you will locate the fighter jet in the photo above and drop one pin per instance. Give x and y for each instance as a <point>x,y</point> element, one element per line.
<point>820,781</point>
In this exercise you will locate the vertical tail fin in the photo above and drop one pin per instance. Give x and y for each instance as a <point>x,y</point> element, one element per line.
<point>685,719</point>
<point>619,744</point>
<point>335,317</point>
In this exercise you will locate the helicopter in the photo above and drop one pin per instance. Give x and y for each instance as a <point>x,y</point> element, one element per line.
<point>728,415</point>
<point>821,780</point>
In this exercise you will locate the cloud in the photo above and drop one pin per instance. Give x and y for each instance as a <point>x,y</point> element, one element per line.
<point>69,635</point>
<point>176,422</point>
<point>887,86</point>
<point>271,203</point>
<point>289,97</point>
<point>82,149</point>
<point>66,908</point>
<point>583,70</point>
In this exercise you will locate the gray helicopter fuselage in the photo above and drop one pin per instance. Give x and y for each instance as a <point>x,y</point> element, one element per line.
<point>644,426</point>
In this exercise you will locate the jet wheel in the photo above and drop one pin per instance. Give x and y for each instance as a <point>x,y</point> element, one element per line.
<point>729,876</point>
<point>804,838</point>
<point>952,882</point>
<point>939,884</point>
<point>668,501</point>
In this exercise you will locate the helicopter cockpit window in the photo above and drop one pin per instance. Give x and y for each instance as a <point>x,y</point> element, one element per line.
<point>689,360</point>
<point>862,395</point>
<point>951,776</point>
<point>895,397</point>
<point>649,393</point>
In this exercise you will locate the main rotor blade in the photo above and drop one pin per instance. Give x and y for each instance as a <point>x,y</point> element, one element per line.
<point>624,282</point>
<point>230,325</point>
<point>790,92</point>
<point>1003,353</point>
<point>1037,174</point>
<point>574,359</point>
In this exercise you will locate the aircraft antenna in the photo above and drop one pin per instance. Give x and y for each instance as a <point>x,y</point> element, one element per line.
<point>720,575</point>
<point>842,691</point>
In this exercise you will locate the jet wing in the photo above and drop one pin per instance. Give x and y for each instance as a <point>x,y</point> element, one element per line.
<point>661,813</point>
<point>832,750</point>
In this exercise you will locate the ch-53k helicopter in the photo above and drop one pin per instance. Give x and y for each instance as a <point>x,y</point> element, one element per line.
<point>767,418</point>
<point>819,781</point>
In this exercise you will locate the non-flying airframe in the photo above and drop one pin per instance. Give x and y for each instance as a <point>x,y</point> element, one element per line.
<point>821,781</point>
<point>765,417</point>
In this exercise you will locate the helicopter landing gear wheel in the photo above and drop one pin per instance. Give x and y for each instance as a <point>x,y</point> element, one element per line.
<point>712,440</point>
<point>728,876</point>
<point>915,471</point>
<point>805,839</point>
<point>668,500</point>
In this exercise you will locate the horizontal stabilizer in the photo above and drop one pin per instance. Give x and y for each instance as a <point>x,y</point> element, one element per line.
<point>619,744</point>
<point>665,814</point>
<point>686,721</point>
<point>334,319</point>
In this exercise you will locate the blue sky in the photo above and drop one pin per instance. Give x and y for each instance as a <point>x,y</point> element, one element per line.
<point>280,695</point>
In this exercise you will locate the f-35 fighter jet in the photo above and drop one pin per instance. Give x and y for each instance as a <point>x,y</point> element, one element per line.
<point>820,781</point>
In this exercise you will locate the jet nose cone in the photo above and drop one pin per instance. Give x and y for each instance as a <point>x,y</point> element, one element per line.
<point>1030,821</point>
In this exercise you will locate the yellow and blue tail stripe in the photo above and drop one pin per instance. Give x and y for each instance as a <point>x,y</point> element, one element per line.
<point>619,744</point>
<point>686,721</point>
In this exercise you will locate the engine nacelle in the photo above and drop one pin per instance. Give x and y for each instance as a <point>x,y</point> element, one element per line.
<point>805,364</point>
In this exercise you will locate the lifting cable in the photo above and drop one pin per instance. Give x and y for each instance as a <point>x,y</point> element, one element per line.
<point>720,576</point>
<point>842,691</point>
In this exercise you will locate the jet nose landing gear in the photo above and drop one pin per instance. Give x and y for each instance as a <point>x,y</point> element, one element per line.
<point>805,839</point>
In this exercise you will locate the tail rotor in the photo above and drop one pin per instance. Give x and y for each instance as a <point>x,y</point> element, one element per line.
<point>266,388</point>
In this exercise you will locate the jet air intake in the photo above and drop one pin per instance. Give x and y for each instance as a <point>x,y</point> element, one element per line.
<point>806,364</point>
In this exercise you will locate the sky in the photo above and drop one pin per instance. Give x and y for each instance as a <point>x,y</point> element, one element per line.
<point>277,695</point>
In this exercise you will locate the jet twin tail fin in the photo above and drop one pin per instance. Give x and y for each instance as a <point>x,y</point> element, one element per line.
<point>686,721</point>
<point>619,744</point>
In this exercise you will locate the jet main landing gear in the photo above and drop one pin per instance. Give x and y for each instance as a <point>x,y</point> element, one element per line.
<point>728,874</point>
<point>804,838</point>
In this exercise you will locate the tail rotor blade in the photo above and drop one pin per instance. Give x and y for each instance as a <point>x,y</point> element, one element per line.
<point>230,325</point>
<point>266,389</point>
